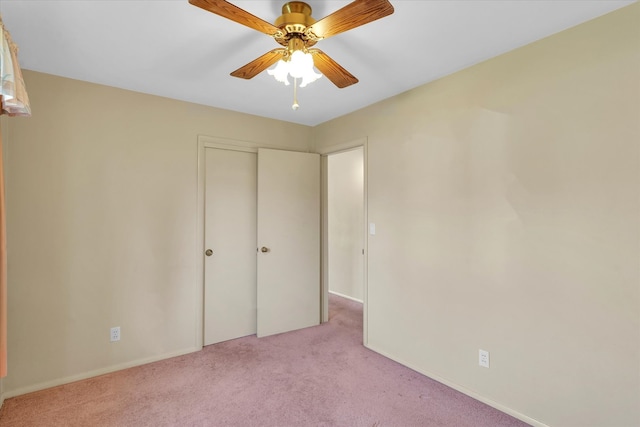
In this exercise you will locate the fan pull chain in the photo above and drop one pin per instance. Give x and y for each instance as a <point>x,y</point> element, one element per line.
<point>295,105</point>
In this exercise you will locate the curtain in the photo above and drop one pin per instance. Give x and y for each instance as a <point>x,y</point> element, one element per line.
<point>13,102</point>
<point>13,93</point>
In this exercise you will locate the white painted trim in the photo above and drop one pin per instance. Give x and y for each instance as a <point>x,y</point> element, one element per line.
<point>209,142</point>
<point>199,284</point>
<point>241,145</point>
<point>345,296</point>
<point>95,373</point>
<point>324,233</point>
<point>204,142</point>
<point>463,390</point>
<point>342,146</point>
<point>365,243</point>
<point>325,152</point>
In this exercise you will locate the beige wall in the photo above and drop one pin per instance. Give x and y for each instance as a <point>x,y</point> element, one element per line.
<point>345,194</point>
<point>102,226</point>
<point>5,163</point>
<point>506,199</point>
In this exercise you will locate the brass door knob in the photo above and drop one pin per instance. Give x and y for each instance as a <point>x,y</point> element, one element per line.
<point>208,252</point>
<point>264,249</point>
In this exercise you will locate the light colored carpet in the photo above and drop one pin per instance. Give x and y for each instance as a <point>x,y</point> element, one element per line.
<point>320,376</point>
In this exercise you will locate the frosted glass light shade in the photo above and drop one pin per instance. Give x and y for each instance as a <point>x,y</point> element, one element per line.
<point>280,72</point>
<point>299,66</point>
<point>310,77</point>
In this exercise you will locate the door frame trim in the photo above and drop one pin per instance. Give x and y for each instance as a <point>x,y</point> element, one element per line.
<point>204,142</point>
<point>325,152</point>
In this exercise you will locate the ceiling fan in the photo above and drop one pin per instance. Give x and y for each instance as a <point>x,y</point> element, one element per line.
<point>297,32</point>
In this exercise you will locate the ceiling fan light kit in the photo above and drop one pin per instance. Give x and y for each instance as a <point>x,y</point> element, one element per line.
<point>297,31</point>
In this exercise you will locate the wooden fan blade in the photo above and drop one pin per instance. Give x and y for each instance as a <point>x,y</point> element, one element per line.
<point>234,13</point>
<point>332,70</point>
<point>259,64</point>
<point>353,15</point>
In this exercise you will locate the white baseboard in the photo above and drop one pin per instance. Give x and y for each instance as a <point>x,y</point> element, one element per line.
<point>345,296</point>
<point>464,390</point>
<point>94,373</point>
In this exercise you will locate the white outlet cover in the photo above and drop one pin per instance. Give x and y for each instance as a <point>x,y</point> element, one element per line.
<point>483,358</point>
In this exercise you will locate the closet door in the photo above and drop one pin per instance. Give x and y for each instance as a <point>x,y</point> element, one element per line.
<point>288,275</point>
<point>230,236</point>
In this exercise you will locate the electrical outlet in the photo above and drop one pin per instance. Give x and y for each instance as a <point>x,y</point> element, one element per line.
<point>115,334</point>
<point>483,359</point>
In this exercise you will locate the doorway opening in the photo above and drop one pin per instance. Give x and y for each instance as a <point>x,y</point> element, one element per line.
<point>345,244</point>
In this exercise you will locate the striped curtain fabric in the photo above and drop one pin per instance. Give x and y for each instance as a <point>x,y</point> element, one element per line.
<point>13,93</point>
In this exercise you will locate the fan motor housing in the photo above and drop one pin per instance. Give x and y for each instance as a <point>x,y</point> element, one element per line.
<point>295,18</point>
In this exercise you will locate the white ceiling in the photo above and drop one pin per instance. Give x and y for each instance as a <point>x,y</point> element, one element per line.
<point>173,49</point>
